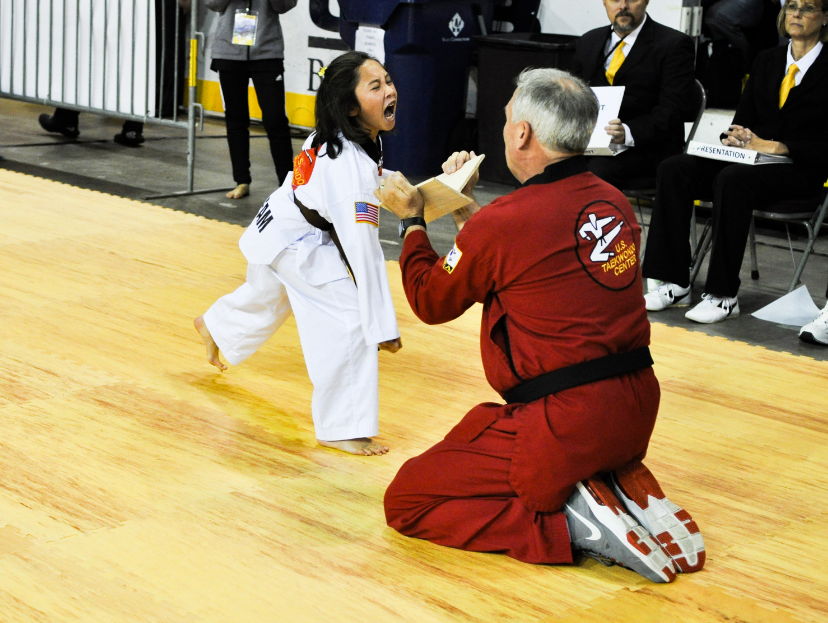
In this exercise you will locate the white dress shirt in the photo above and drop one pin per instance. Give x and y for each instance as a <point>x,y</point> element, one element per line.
<point>804,63</point>
<point>609,50</point>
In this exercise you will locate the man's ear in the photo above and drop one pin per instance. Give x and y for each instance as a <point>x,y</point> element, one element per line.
<point>523,135</point>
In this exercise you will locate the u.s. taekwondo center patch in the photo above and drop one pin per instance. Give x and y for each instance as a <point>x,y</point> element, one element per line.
<point>605,246</point>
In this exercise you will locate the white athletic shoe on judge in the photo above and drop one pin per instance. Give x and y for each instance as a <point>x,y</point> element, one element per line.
<point>816,332</point>
<point>667,295</point>
<point>600,528</point>
<point>671,525</point>
<point>714,309</point>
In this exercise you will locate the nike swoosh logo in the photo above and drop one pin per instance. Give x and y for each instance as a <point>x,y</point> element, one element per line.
<point>595,532</point>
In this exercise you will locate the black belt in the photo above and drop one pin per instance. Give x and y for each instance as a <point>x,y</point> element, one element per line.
<point>580,374</point>
<point>317,220</point>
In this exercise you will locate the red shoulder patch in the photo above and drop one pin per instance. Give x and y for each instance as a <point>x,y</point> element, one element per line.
<point>303,167</point>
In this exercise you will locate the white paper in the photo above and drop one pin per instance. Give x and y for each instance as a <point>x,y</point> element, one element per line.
<point>371,40</point>
<point>609,102</point>
<point>796,308</point>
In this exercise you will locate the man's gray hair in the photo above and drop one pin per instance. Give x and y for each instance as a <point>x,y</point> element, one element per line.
<point>560,108</point>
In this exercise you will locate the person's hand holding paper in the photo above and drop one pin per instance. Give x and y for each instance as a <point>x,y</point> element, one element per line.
<point>617,131</point>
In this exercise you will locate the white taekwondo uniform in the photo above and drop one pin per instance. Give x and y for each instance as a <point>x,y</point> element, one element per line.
<point>295,266</point>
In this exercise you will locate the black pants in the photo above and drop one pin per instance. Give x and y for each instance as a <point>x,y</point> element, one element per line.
<point>270,91</point>
<point>736,190</point>
<point>629,165</point>
<point>69,119</point>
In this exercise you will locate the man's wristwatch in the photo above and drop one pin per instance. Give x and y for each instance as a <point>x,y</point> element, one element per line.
<point>409,222</point>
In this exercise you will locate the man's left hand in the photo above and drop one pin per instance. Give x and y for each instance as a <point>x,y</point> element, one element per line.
<point>616,130</point>
<point>399,196</point>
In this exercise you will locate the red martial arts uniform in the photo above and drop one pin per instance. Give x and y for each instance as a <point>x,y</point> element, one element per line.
<point>555,264</point>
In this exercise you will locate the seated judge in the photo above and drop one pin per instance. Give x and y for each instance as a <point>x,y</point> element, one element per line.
<point>781,112</point>
<point>655,64</point>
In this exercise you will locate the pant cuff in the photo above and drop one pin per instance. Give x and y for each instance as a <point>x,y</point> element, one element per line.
<point>338,433</point>
<point>213,322</point>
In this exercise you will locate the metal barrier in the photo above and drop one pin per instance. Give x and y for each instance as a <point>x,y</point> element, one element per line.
<point>105,57</point>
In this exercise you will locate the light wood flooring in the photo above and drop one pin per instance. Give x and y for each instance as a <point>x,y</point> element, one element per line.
<point>138,484</point>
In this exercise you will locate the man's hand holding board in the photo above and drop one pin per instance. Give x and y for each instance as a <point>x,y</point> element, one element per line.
<point>443,194</point>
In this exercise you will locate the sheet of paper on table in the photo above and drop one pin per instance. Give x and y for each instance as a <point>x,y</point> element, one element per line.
<point>609,103</point>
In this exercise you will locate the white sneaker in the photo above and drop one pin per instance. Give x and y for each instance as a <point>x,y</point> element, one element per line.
<point>714,309</point>
<point>816,332</point>
<point>667,295</point>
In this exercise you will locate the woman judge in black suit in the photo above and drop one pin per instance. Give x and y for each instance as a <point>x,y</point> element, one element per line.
<point>782,111</point>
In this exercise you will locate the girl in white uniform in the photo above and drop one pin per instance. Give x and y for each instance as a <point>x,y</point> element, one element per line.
<point>296,267</point>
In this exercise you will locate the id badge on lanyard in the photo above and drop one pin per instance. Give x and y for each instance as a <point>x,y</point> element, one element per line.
<point>244,26</point>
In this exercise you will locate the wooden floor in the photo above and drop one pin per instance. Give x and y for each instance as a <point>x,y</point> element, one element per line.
<point>139,485</point>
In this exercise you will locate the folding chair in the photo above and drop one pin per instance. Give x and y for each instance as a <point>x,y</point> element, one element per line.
<point>791,212</point>
<point>810,213</point>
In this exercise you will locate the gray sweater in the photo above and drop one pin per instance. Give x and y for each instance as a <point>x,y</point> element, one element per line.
<point>269,43</point>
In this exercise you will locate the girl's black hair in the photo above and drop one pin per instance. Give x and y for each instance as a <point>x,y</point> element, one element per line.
<point>335,98</point>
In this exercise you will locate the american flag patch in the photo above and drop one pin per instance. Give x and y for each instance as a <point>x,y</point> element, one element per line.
<point>367,213</point>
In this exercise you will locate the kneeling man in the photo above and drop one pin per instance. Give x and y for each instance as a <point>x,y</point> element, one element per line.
<point>564,340</point>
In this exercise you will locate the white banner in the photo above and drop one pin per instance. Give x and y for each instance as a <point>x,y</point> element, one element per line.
<point>93,53</point>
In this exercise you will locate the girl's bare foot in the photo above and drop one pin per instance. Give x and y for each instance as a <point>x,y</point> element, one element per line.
<point>212,349</point>
<point>364,446</point>
<point>242,190</point>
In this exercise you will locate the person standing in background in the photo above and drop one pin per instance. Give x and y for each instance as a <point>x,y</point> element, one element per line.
<point>249,45</point>
<point>727,20</point>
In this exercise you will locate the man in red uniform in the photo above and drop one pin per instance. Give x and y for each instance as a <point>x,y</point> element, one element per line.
<point>564,339</point>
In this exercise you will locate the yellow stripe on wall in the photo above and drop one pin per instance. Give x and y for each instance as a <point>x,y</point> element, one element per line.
<point>300,109</point>
<point>208,94</point>
<point>299,106</point>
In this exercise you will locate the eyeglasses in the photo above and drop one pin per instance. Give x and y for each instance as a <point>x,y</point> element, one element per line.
<point>805,11</point>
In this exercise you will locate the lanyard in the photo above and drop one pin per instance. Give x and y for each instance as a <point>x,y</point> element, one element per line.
<point>608,54</point>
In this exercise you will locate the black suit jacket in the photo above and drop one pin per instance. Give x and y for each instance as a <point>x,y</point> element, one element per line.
<point>800,124</point>
<point>658,76</point>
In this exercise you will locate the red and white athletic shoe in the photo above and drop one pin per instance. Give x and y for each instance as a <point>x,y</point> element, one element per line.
<point>671,525</point>
<point>599,527</point>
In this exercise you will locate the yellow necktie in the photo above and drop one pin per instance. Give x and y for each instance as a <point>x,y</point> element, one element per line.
<point>787,84</point>
<point>615,63</point>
